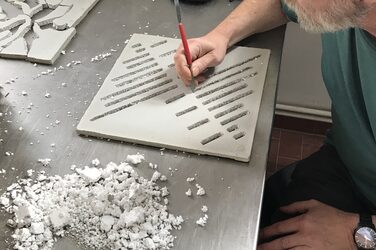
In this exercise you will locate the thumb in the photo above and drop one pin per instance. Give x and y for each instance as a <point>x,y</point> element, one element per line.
<point>204,62</point>
<point>299,207</point>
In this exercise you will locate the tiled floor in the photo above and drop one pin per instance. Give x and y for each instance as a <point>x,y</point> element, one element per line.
<point>288,146</point>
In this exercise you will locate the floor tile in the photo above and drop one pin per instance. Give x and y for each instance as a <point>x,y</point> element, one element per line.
<point>313,139</point>
<point>290,144</point>
<point>284,162</point>
<point>276,133</point>
<point>309,149</point>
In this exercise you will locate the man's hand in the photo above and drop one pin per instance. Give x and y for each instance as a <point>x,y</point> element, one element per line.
<point>318,226</point>
<point>206,51</point>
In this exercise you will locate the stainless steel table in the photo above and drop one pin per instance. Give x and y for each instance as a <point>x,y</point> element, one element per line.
<point>234,189</point>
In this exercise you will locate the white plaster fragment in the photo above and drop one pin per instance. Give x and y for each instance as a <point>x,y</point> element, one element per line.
<point>37,228</point>
<point>90,174</point>
<point>204,209</point>
<point>95,162</point>
<point>200,190</point>
<point>189,192</point>
<point>45,162</point>
<point>135,159</point>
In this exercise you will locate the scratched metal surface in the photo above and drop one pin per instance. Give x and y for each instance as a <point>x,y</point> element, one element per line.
<point>219,118</point>
<point>234,202</point>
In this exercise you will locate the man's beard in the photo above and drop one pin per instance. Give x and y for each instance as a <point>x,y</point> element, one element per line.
<point>339,15</point>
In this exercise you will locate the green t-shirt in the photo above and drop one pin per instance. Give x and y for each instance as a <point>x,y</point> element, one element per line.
<point>349,73</point>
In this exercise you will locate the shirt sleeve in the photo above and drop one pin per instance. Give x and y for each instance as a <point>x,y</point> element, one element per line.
<point>289,12</point>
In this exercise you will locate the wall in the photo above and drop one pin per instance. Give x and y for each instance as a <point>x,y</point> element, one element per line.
<point>301,90</point>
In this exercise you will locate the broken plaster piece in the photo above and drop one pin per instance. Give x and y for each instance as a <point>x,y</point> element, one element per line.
<point>3,17</point>
<point>12,23</point>
<point>60,218</point>
<point>135,159</point>
<point>58,12</point>
<point>53,4</point>
<point>27,10</point>
<point>56,41</point>
<point>16,50</point>
<point>74,16</point>
<point>90,174</point>
<point>22,30</point>
<point>5,34</point>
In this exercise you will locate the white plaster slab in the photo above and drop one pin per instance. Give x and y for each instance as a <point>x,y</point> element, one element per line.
<point>13,22</point>
<point>21,31</point>
<point>27,10</point>
<point>5,34</point>
<point>74,16</point>
<point>47,47</point>
<point>3,17</point>
<point>135,102</point>
<point>53,4</point>
<point>16,50</point>
<point>56,13</point>
<point>43,3</point>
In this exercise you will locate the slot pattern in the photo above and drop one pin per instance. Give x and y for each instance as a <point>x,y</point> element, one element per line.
<point>239,135</point>
<point>140,92</point>
<point>134,72</point>
<point>227,93</point>
<point>140,50</point>
<point>128,105</point>
<point>136,45</point>
<point>231,100</point>
<point>186,111</point>
<point>232,128</point>
<point>235,66</point>
<point>156,71</point>
<point>234,118</point>
<point>168,53</point>
<point>140,63</point>
<point>198,124</point>
<point>211,138</point>
<point>222,79</point>
<point>158,44</point>
<point>175,98</point>
<point>228,111</point>
<point>136,58</point>
<point>133,87</point>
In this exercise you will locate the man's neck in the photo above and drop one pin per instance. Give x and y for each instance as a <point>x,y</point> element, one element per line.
<point>369,23</point>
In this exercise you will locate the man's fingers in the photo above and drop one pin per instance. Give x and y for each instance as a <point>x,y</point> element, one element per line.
<point>299,207</point>
<point>181,66</point>
<point>204,62</point>
<point>287,242</point>
<point>280,228</point>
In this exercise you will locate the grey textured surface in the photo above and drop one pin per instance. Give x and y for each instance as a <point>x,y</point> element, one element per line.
<point>233,212</point>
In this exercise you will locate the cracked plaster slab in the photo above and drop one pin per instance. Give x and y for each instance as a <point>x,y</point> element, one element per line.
<point>16,50</point>
<point>75,15</point>
<point>22,30</point>
<point>47,47</point>
<point>56,13</point>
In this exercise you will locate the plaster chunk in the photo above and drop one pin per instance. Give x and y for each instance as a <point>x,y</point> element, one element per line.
<point>90,174</point>
<point>59,218</point>
<point>37,228</point>
<point>106,222</point>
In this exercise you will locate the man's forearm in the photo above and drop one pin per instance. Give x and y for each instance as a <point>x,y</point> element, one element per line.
<point>250,17</point>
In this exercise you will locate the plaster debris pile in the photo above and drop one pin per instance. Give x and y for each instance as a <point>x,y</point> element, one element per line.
<point>102,208</point>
